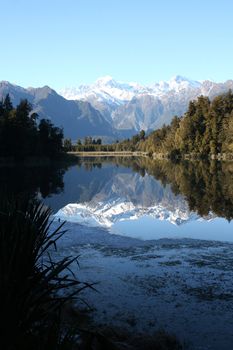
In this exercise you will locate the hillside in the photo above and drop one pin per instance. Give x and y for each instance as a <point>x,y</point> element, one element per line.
<point>114,110</point>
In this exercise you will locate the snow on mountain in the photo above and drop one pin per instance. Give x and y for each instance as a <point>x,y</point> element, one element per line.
<point>78,118</point>
<point>106,88</point>
<point>113,109</point>
<point>176,84</point>
<point>106,214</point>
<point>127,196</point>
<point>131,107</point>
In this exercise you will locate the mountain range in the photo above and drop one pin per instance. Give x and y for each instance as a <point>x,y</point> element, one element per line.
<point>123,195</point>
<point>113,109</point>
<point>109,194</point>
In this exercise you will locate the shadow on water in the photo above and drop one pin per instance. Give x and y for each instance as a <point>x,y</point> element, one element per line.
<point>31,182</point>
<point>205,186</point>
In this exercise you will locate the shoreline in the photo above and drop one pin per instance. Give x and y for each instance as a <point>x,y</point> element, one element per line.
<point>72,158</point>
<point>183,283</point>
<point>108,154</point>
<point>155,156</point>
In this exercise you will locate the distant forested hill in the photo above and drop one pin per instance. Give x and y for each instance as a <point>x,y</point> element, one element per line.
<point>206,128</point>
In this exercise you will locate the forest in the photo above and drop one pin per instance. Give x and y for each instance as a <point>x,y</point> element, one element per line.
<point>206,128</point>
<point>206,185</point>
<point>22,135</point>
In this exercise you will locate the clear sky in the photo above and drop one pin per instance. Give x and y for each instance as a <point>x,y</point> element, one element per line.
<point>64,43</point>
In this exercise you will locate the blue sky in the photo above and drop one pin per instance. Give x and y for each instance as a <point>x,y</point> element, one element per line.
<point>71,42</point>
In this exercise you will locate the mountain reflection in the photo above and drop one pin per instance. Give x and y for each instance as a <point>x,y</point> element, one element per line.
<point>108,190</point>
<point>114,189</point>
<point>206,186</point>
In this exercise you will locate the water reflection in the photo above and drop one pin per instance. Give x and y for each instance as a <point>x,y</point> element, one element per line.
<point>149,199</point>
<point>109,191</point>
<point>31,181</point>
<point>133,195</point>
<point>206,186</point>
<point>115,193</point>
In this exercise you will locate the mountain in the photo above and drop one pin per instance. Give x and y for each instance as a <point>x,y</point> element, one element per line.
<point>128,196</point>
<point>132,107</point>
<point>109,194</point>
<point>113,109</point>
<point>16,92</point>
<point>78,118</point>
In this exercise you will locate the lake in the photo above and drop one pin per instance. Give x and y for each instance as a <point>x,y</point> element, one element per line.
<point>156,236</point>
<point>149,200</point>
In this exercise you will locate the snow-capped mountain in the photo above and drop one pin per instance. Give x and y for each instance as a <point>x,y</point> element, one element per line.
<point>127,196</point>
<point>113,109</point>
<point>131,107</point>
<point>78,118</point>
<point>107,88</point>
<point>107,214</point>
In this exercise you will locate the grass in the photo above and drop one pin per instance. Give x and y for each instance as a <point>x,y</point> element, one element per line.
<point>33,287</point>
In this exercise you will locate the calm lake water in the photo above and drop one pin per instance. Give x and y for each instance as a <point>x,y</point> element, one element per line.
<point>137,198</point>
<point>148,200</point>
<point>122,216</point>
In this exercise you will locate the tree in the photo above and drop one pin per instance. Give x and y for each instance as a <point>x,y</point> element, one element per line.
<point>7,104</point>
<point>88,140</point>
<point>20,136</point>
<point>142,135</point>
<point>205,128</point>
<point>50,138</point>
<point>67,144</point>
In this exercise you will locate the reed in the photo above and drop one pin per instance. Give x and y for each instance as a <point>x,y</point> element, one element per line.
<point>33,287</point>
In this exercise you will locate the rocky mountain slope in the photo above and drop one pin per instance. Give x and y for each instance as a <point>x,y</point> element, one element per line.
<point>110,197</point>
<point>132,107</point>
<point>114,109</point>
<point>78,118</point>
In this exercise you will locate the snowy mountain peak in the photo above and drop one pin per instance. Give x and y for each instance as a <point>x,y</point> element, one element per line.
<point>179,78</point>
<point>179,82</point>
<point>123,108</point>
<point>106,88</point>
<point>106,80</point>
<point>107,213</point>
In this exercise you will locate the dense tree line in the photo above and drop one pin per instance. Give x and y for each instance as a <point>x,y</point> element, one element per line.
<point>206,185</point>
<point>88,144</point>
<point>206,128</point>
<point>21,135</point>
